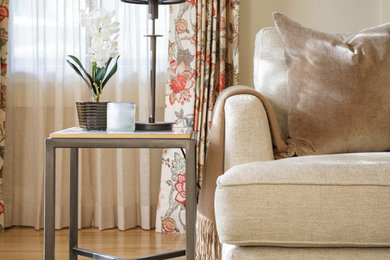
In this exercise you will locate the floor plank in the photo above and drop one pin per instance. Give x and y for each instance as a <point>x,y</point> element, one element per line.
<point>26,243</point>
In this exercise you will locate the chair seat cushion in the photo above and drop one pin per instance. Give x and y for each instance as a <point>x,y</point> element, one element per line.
<point>280,253</point>
<point>340,200</point>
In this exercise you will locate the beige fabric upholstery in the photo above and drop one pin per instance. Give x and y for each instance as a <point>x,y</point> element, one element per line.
<point>313,201</point>
<point>301,205</point>
<point>207,237</point>
<point>277,253</point>
<point>247,133</point>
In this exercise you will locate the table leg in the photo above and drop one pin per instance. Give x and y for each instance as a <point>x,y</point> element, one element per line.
<point>50,187</point>
<point>190,200</point>
<point>73,202</point>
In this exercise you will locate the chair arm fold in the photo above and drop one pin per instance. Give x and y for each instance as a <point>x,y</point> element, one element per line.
<point>247,131</point>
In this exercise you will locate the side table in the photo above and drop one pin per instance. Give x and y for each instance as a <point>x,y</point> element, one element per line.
<point>75,138</point>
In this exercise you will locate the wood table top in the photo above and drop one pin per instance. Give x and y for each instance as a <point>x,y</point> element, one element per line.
<point>77,132</point>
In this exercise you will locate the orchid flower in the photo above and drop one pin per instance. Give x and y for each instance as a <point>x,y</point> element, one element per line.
<point>103,32</point>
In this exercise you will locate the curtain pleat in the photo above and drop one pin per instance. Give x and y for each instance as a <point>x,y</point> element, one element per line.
<point>217,45</point>
<point>4,14</point>
<point>117,187</point>
<point>202,61</point>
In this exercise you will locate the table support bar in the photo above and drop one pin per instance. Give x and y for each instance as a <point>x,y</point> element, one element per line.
<point>73,202</point>
<point>100,256</point>
<point>94,255</point>
<point>166,255</point>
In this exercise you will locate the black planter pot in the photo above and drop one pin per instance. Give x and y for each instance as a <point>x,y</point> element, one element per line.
<point>92,115</point>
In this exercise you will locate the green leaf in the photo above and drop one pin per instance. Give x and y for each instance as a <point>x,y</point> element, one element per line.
<point>81,67</point>
<point>101,72</point>
<point>109,61</point>
<point>111,73</point>
<point>94,68</point>
<point>79,73</point>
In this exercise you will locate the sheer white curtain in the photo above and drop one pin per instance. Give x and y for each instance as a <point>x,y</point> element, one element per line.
<point>114,184</point>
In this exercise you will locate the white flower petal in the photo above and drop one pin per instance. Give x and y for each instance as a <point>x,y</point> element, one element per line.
<point>103,31</point>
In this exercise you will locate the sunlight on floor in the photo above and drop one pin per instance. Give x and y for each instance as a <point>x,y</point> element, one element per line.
<point>27,243</point>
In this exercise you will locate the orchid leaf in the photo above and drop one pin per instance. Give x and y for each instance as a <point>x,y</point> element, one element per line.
<point>109,61</point>
<point>111,73</point>
<point>82,68</point>
<point>79,73</point>
<point>102,71</point>
<point>100,74</point>
<point>94,68</point>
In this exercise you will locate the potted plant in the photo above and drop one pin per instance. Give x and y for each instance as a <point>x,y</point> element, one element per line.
<point>103,55</point>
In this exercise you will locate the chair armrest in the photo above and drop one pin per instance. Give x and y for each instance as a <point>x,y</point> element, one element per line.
<point>247,131</point>
<point>241,132</point>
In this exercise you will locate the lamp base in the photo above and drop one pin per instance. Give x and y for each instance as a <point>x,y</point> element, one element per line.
<point>157,126</point>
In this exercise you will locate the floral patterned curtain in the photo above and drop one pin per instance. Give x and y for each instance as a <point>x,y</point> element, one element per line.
<point>4,14</point>
<point>203,60</point>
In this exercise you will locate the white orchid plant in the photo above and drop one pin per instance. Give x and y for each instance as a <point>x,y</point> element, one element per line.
<point>103,32</point>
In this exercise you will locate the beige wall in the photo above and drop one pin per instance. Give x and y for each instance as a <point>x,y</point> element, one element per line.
<point>326,15</point>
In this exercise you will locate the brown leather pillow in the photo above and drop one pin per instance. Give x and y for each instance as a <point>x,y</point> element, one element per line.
<point>338,91</point>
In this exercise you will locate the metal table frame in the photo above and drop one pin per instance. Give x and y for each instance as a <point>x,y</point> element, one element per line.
<point>51,144</point>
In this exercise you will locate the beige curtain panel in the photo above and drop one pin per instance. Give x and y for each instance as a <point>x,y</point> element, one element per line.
<point>118,188</point>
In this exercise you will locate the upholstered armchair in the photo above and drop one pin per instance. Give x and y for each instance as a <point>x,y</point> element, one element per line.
<point>317,206</point>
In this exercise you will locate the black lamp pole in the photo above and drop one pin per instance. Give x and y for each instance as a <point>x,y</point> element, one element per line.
<point>153,15</point>
<point>152,125</point>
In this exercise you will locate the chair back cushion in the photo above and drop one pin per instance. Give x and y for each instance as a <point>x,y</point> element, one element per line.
<point>270,71</point>
<point>338,90</point>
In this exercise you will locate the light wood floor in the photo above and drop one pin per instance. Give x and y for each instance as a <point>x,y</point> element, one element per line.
<point>27,243</point>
